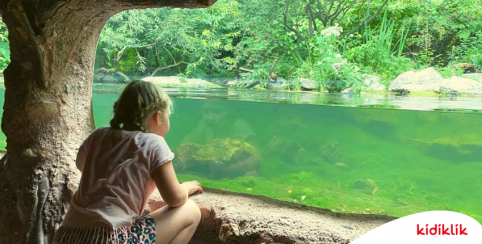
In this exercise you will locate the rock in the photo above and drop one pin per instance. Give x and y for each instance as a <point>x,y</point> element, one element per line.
<point>365,185</point>
<point>330,151</point>
<point>475,76</point>
<point>459,84</point>
<point>467,68</point>
<point>249,83</point>
<point>281,81</point>
<point>277,86</point>
<point>446,90</point>
<point>235,218</point>
<point>219,158</point>
<point>177,81</point>
<point>230,83</point>
<point>348,91</point>
<point>287,151</point>
<point>425,80</point>
<point>373,83</point>
<point>307,84</point>
<point>111,79</point>
<point>107,78</point>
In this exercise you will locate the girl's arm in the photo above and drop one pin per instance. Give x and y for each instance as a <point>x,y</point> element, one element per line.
<point>172,192</point>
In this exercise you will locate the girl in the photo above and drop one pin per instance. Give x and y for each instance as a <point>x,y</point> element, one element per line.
<point>121,166</point>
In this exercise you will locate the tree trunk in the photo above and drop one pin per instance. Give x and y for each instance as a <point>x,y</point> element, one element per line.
<point>47,110</point>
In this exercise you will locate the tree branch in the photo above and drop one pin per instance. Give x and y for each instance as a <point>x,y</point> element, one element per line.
<point>285,22</point>
<point>356,28</point>
<point>167,67</point>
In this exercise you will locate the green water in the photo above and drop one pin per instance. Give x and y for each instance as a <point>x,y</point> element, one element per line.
<point>356,160</point>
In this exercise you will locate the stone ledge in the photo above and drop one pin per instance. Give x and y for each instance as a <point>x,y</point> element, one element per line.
<point>239,218</point>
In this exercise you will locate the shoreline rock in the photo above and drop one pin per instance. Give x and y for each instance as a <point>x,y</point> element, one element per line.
<point>417,81</point>
<point>240,218</point>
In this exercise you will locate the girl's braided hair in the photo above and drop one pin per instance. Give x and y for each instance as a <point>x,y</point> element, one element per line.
<point>138,100</point>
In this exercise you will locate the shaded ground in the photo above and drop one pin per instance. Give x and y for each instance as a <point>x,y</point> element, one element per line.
<point>237,218</point>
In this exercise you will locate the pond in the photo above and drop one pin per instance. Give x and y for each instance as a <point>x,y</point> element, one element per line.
<point>370,154</point>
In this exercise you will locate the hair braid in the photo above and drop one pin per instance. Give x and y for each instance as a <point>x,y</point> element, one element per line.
<point>138,100</point>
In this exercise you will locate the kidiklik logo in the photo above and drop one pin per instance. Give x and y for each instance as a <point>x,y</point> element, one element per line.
<point>433,227</point>
<point>441,230</point>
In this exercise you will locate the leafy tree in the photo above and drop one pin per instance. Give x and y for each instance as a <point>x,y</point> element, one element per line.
<point>4,48</point>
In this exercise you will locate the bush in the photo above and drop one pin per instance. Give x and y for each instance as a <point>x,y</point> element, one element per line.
<point>327,66</point>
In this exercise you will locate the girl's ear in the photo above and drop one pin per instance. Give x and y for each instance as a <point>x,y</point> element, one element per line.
<point>158,117</point>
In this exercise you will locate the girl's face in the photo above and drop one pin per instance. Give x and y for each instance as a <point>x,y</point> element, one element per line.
<point>158,123</point>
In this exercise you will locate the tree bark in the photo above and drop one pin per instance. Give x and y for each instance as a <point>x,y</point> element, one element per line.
<point>47,109</point>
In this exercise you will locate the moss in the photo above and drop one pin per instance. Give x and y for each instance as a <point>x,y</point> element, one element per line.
<point>214,157</point>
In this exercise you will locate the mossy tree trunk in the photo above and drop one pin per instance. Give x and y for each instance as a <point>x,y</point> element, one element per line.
<point>47,110</point>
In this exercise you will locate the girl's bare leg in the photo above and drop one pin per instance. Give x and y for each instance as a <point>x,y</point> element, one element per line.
<point>176,225</point>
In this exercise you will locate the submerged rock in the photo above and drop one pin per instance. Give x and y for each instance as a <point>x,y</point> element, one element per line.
<point>330,151</point>
<point>219,158</point>
<point>341,166</point>
<point>424,80</point>
<point>284,150</point>
<point>366,185</point>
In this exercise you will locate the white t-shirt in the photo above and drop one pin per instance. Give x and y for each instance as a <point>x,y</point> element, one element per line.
<point>116,178</point>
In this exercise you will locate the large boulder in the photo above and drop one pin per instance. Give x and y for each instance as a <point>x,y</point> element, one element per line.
<point>475,76</point>
<point>280,85</point>
<point>219,158</point>
<point>373,83</point>
<point>307,84</point>
<point>460,85</point>
<point>424,80</point>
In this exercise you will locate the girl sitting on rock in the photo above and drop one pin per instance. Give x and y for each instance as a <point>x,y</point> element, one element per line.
<point>121,166</point>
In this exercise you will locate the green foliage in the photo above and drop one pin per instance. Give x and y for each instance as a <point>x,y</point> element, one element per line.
<point>171,41</point>
<point>4,46</point>
<point>327,66</point>
<point>256,40</point>
<point>379,54</point>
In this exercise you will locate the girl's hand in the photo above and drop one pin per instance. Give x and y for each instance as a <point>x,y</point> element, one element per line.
<point>193,187</point>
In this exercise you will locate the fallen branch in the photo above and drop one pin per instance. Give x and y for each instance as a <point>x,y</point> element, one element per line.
<point>113,71</point>
<point>244,69</point>
<point>271,75</point>
<point>167,67</point>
